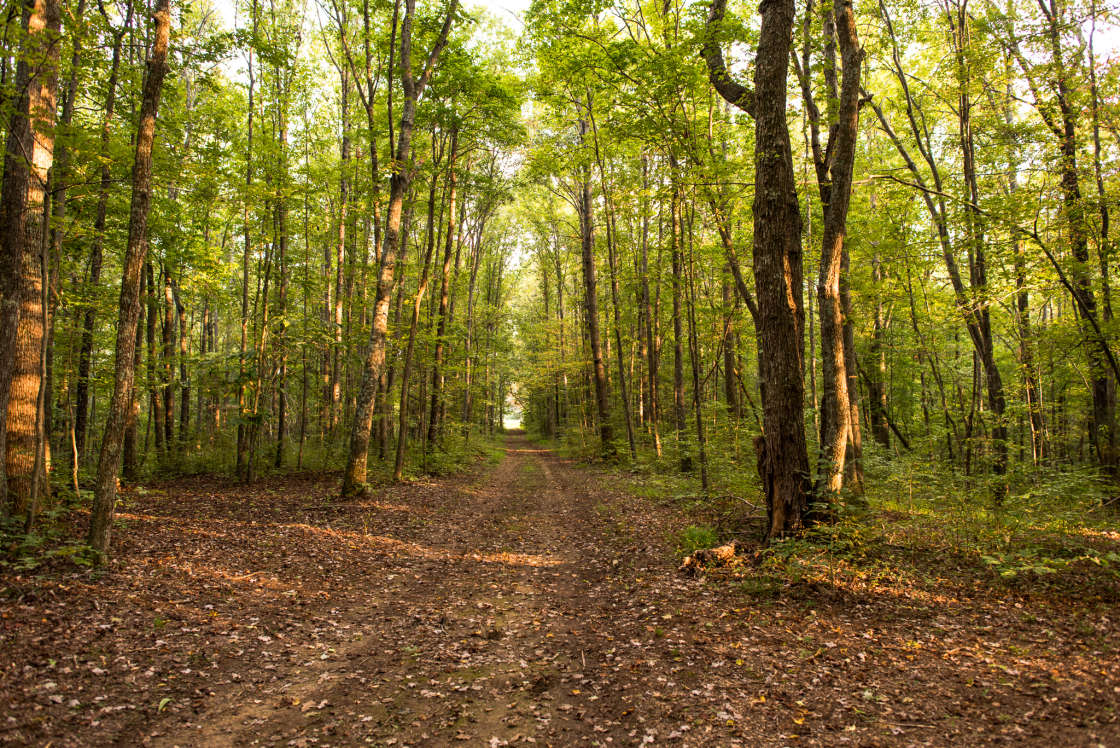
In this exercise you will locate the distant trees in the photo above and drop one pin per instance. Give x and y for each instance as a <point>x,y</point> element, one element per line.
<point>247,283</point>
<point>954,235</point>
<point>395,220</point>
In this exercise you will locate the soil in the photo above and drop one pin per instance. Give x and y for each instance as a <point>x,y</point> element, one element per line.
<point>531,602</point>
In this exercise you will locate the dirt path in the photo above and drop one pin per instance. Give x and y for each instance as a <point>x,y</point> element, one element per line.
<point>529,603</point>
<point>481,630</point>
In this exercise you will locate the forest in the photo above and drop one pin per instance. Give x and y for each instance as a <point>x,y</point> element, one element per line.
<point>348,346</point>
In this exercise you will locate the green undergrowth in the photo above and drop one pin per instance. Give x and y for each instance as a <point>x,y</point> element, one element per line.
<point>456,455</point>
<point>920,525</point>
<point>695,537</point>
<point>50,540</point>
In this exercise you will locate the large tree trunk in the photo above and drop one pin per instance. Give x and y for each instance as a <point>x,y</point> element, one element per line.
<point>834,164</point>
<point>783,458</point>
<point>105,489</point>
<point>27,162</point>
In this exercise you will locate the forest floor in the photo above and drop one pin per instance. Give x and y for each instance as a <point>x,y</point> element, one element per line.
<point>535,601</point>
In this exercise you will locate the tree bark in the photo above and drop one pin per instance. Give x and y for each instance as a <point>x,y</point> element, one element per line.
<point>783,458</point>
<point>105,489</point>
<point>354,476</point>
<point>27,162</point>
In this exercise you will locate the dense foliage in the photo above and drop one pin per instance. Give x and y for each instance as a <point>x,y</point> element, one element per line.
<point>376,228</point>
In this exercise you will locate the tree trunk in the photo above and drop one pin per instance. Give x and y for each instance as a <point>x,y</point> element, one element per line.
<point>591,309</point>
<point>783,459</point>
<point>27,162</point>
<point>105,489</point>
<point>354,476</point>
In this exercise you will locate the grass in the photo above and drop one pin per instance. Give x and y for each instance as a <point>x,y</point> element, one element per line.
<point>694,538</point>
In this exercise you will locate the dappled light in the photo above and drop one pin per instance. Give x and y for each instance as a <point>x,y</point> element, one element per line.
<point>554,373</point>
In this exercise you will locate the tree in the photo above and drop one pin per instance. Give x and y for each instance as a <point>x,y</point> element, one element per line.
<point>354,476</point>
<point>27,161</point>
<point>783,461</point>
<point>105,489</point>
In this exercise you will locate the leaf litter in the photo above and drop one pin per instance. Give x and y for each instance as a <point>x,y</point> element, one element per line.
<point>535,603</point>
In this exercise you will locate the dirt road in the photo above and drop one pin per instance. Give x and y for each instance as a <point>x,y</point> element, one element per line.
<point>499,612</point>
<point>531,602</point>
